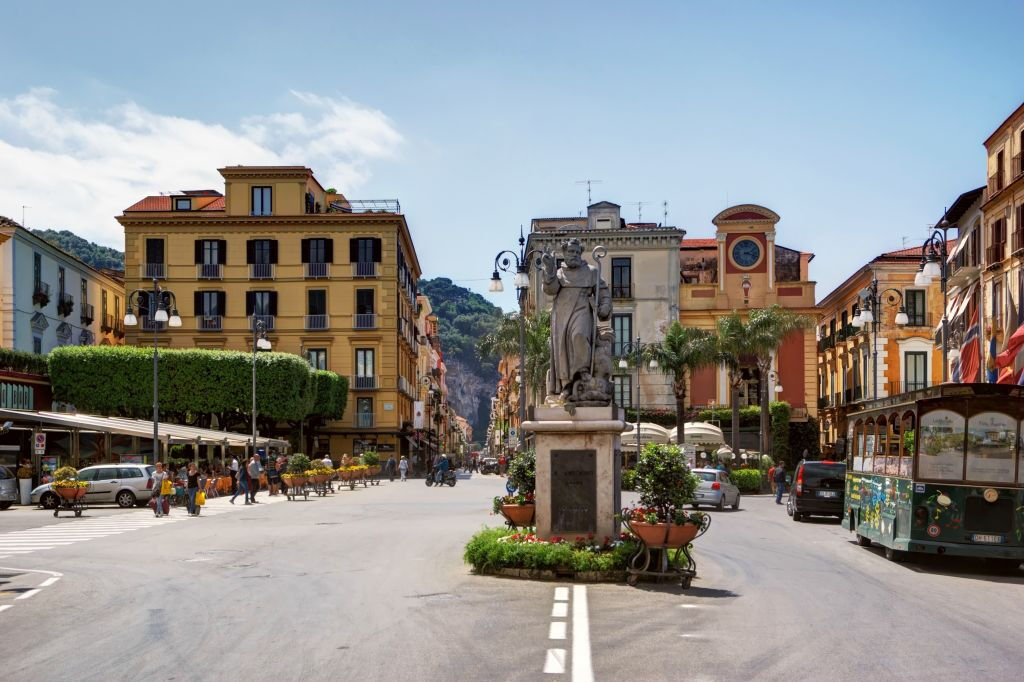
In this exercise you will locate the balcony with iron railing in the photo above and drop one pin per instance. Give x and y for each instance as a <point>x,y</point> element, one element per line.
<point>209,323</point>
<point>262,270</point>
<point>209,271</point>
<point>367,206</point>
<point>41,294</point>
<point>364,383</point>
<point>88,313</point>
<point>154,270</point>
<point>317,322</point>
<point>995,184</point>
<point>317,270</point>
<point>622,291</point>
<point>1017,166</point>
<point>365,321</point>
<point>826,343</point>
<point>107,323</point>
<point>151,325</point>
<point>86,338</point>
<point>919,318</point>
<point>364,420</point>
<point>267,320</point>
<point>995,253</point>
<point>364,269</point>
<point>897,387</point>
<point>1017,240</point>
<point>65,304</point>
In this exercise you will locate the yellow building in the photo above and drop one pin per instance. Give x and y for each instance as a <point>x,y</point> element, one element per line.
<point>906,359</point>
<point>332,279</point>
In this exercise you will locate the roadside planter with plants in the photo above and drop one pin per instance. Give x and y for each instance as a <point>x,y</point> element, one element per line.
<point>665,529</point>
<point>520,554</point>
<point>25,484</point>
<point>519,508</point>
<point>70,490</point>
<point>371,460</point>
<point>295,477</point>
<point>319,475</point>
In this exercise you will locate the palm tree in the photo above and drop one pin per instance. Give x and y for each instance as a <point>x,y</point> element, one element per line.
<point>683,350</point>
<point>758,337</point>
<point>504,342</point>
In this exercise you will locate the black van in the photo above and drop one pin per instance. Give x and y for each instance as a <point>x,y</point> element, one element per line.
<point>818,489</point>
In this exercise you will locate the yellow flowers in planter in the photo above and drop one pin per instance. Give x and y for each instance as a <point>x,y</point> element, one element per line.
<point>320,471</point>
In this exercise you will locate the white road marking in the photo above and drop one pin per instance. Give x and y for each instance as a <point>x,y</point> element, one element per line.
<point>582,667</point>
<point>689,606</point>
<point>557,630</point>
<point>554,662</point>
<point>27,595</point>
<point>5,607</point>
<point>559,609</point>
<point>561,594</point>
<point>49,581</point>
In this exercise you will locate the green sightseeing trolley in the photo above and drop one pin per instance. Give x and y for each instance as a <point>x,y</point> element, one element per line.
<point>940,471</point>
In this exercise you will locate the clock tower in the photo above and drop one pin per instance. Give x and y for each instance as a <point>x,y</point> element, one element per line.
<point>746,250</point>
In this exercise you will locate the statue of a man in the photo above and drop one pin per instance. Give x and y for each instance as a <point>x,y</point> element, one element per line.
<point>577,289</point>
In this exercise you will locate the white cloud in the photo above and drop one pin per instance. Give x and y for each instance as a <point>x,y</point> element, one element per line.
<point>77,172</point>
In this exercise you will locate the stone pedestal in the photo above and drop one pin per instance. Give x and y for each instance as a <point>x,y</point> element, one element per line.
<point>579,470</point>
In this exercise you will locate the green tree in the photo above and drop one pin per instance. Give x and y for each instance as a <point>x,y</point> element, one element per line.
<point>683,350</point>
<point>504,342</point>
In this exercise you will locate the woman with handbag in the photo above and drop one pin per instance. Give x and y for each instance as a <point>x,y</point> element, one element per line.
<point>191,488</point>
<point>161,487</point>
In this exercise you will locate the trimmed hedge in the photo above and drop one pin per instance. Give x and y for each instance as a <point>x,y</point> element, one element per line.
<point>747,480</point>
<point>119,380</point>
<point>484,553</point>
<point>20,361</point>
<point>331,394</point>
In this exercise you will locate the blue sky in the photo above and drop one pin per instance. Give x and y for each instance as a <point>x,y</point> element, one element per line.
<point>856,122</point>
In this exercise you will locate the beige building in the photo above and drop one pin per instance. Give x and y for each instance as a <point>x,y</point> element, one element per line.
<point>642,271</point>
<point>332,279</point>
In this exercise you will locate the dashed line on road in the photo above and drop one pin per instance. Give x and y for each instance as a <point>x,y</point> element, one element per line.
<point>28,594</point>
<point>557,630</point>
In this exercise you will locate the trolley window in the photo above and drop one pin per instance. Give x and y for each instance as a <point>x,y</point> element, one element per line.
<point>941,454</point>
<point>991,438</point>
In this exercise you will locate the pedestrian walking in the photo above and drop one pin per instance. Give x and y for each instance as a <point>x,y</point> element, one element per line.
<point>159,478</point>
<point>389,468</point>
<point>780,482</point>
<point>771,478</point>
<point>233,468</point>
<point>254,468</point>
<point>191,488</point>
<point>403,468</point>
<point>273,475</point>
<point>239,484</point>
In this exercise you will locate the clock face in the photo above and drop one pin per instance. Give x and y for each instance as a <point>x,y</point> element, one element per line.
<point>746,253</point>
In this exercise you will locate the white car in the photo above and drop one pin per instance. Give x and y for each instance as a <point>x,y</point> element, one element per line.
<point>126,484</point>
<point>715,489</point>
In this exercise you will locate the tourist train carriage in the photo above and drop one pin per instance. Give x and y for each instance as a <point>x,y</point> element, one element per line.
<point>939,470</point>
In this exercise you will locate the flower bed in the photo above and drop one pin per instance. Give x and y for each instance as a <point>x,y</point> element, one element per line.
<point>522,554</point>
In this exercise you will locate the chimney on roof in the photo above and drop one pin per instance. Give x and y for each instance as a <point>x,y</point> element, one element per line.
<point>604,215</point>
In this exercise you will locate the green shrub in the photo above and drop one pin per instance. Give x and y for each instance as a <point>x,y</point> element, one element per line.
<point>522,471</point>
<point>485,553</point>
<point>747,480</point>
<point>20,361</point>
<point>371,458</point>
<point>629,479</point>
<point>298,464</point>
<point>65,473</point>
<point>663,479</point>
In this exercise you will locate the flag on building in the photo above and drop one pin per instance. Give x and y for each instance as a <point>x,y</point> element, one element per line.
<point>969,364</point>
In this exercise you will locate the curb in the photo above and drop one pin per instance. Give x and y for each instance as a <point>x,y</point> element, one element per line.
<point>551,575</point>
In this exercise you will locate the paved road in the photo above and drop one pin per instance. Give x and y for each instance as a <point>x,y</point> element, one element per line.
<point>370,585</point>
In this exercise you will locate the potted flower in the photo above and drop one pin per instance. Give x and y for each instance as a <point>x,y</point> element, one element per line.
<point>66,484</point>
<point>372,461</point>
<point>25,483</point>
<point>295,471</point>
<point>665,485</point>
<point>519,508</point>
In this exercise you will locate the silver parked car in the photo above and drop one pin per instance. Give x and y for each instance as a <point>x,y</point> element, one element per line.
<point>126,484</point>
<point>8,488</point>
<point>716,489</point>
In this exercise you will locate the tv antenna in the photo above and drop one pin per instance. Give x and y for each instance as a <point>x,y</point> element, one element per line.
<point>588,183</point>
<point>639,209</point>
<point>23,207</point>
<point>664,213</point>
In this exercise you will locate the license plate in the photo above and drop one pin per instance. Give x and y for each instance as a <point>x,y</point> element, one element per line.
<point>990,539</point>
<point>828,493</point>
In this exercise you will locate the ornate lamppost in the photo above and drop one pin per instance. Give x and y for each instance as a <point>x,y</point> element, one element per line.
<point>523,260</point>
<point>933,264</point>
<point>869,312</point>
<point>160,301</point>
<point>259,342</point>
<point>635,350</point>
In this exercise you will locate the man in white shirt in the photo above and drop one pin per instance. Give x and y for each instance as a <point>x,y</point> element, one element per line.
<point>234,475</point>
<point>330,465</point>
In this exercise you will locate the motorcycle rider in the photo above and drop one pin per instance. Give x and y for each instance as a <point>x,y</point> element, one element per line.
<point>441,469</point>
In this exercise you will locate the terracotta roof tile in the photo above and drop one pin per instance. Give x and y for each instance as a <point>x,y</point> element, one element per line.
<point>156,203</point>
<point>698,243</point>
<point>215,205</point>
<point>913,251</point>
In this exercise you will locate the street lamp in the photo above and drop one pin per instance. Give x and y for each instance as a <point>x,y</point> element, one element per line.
<point>523,261</point>
<point>429,402</point>
<point>933,264</point>
<point>163,300</point>
<point>869,312</point>
<point>636,350</point>
<point>259,342</point>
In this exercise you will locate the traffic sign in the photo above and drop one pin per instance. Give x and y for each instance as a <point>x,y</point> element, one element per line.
<point>39,444</point>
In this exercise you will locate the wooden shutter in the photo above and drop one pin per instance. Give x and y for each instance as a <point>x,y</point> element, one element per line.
<point>222,251</point>
<point>154,250</point>
<point>273,303</point>
<point>250,302</point>
<point>328,250</point>
<point>273,251</point>
<point>199,251</point>
<point>250,251</point>
<point>197,303</point>
<point>305,250</point>
<point>377,249</point>
<point>353,250</point>
<point>222,307</point>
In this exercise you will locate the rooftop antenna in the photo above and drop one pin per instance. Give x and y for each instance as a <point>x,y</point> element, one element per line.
<point>588,183</point>
<point>639,209</point>
<point>23,207</point>
<point>664,213</point>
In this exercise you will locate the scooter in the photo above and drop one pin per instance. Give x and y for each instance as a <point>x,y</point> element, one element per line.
<point>449,478</point>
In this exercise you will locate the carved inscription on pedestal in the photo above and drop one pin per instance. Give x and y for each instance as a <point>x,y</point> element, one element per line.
<point>573,491</point>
